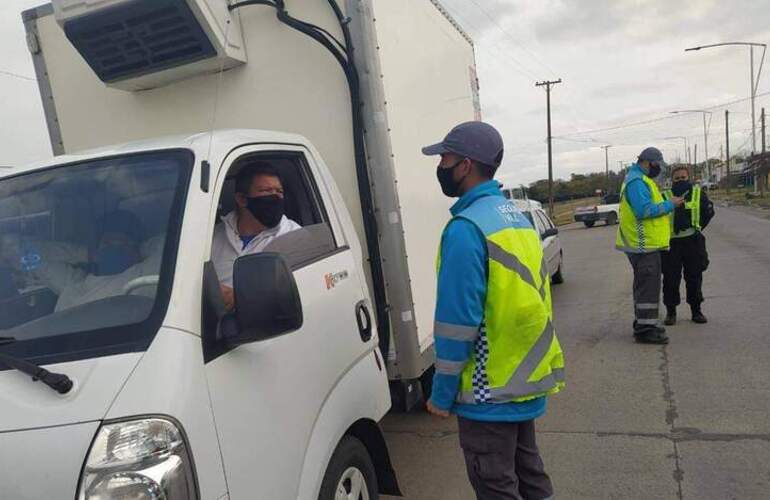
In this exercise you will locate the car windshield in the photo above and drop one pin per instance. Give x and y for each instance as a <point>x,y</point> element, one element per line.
<point>86,253</point>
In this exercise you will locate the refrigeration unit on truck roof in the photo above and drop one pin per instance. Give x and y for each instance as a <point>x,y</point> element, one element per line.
<point>145,44</point>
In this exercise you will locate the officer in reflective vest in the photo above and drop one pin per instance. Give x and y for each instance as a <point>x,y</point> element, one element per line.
<point>643,233</point>
<point>688,246</point>
<point>497,355</point>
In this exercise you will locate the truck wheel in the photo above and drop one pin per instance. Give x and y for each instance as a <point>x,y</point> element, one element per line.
<point>558,277</point>
<point>612,219</point>
<point>350,475</point>
<point>589,223</point>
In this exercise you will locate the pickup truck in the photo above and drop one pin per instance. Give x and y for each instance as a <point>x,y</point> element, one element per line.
<point>606,211</point>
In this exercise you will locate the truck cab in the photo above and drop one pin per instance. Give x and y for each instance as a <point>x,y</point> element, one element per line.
<point>172,396</point>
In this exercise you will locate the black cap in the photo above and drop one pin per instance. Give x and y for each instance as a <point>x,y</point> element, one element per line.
<point>652,155</point>
<point>475,140</point>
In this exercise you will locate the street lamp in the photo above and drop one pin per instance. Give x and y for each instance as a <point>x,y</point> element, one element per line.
<point>705,134</point>
<point>754,82</point>
<point>684,140</point>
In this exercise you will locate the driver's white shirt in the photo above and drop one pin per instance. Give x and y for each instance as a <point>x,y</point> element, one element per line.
<point>75,287</point>
<point>227,245</point>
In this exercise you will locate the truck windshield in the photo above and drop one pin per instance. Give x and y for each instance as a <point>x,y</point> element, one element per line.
<point>87,252</point>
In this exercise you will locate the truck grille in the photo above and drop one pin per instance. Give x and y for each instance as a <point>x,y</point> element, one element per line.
<point>138,37</point>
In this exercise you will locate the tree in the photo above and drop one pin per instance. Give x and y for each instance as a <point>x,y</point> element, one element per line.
<point>578,186</point>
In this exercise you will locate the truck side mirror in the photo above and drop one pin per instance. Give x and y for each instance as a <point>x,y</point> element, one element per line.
<point>267,302</point>
<point>550,232</point>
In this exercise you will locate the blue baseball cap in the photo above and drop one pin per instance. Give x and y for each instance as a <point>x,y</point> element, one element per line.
<point>478,141</point>
<point>652,155</point>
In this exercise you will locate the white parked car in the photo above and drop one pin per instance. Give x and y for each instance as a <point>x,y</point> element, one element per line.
<point>549,234</point>
<point>606,211</point>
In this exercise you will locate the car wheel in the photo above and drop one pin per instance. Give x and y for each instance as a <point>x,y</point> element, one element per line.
<point>612,219</point>
<point>350,475</point>
<point>589,223</point>
<point>558,276</point>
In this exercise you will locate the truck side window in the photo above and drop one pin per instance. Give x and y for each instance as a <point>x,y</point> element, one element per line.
<point>302,235</point>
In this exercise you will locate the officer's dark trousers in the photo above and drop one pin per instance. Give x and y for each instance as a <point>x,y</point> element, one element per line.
<point>647,269</point>
<point>688,254</point>
<point>503,461</point>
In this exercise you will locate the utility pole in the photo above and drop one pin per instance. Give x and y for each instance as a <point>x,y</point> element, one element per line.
<point>727,147</point>
<point>706,146</point>
<point>762,170</point>
<point>695,162</point>
<point>607,166</point>
<point>753,109</point>
<point>547,84</point>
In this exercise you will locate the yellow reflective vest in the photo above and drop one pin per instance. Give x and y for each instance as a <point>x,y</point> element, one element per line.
<point>517,356</point>
<point>693,207</point>
<point>642,235</point>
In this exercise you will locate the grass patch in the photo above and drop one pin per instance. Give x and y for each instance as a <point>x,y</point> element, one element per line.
<point>741,196</point>
<point>563,211</point>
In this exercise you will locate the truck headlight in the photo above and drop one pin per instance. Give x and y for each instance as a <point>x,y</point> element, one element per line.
<point>144,459</point>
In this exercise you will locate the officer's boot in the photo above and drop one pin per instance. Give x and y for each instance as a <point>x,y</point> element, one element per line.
<point>697,315</point>
<point>670,315</point>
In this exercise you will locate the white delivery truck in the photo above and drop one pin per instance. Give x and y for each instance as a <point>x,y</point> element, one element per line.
<point>151,389</point>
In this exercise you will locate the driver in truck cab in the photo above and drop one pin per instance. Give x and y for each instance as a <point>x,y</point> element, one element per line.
<point>121,257</point>
<point>258,219</point>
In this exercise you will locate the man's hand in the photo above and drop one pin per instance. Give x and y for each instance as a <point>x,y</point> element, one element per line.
<point>229,296</point>
<point>678,201</point>
<point>438,412</point>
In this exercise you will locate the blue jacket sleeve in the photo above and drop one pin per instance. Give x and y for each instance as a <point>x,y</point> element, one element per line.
<point>462,285</point>
<point>639,198</point>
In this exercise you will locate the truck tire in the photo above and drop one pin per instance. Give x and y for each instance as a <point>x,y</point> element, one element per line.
<point>612,219</point>
<point>350,475</point>
<point>589,223</point>
<point>558,276</point>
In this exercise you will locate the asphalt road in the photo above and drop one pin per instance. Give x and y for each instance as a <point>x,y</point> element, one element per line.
<point>690,420</point>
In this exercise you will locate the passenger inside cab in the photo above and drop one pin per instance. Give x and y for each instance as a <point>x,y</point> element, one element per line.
<point>122,255</point>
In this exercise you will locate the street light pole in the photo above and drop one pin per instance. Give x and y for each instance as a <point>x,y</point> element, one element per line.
<point>753,81</point>
<point>727,147</point>
<point>706,127</point>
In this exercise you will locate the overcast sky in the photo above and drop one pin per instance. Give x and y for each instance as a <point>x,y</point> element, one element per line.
<point>621,62</point>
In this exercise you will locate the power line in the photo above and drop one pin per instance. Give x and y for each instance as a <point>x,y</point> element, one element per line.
<point>654,120</point>
<point>510,37</point>
<point>520,67</point>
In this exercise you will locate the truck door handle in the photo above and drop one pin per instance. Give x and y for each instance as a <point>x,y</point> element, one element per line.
<point>364,320</point>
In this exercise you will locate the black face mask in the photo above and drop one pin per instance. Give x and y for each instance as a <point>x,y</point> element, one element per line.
<point>268,210</point>
<point>446,178</point>
<point>654,170</point>
<point>680,188</point>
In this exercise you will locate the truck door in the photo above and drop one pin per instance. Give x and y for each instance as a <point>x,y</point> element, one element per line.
<point>267,395</point>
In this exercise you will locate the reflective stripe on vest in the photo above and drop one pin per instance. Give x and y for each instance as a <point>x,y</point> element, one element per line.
<point>516,356</point>
<point>692,206</point>
<point>642,235</point>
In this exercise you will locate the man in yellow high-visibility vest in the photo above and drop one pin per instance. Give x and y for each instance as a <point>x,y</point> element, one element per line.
<point>687,251</point>
<point>497,354</point>
<point>643,233</point>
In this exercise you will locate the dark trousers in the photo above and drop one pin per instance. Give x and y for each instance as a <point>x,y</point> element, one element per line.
<point>647,269</point>
<point>688,255</point>
<point>503,461</point>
